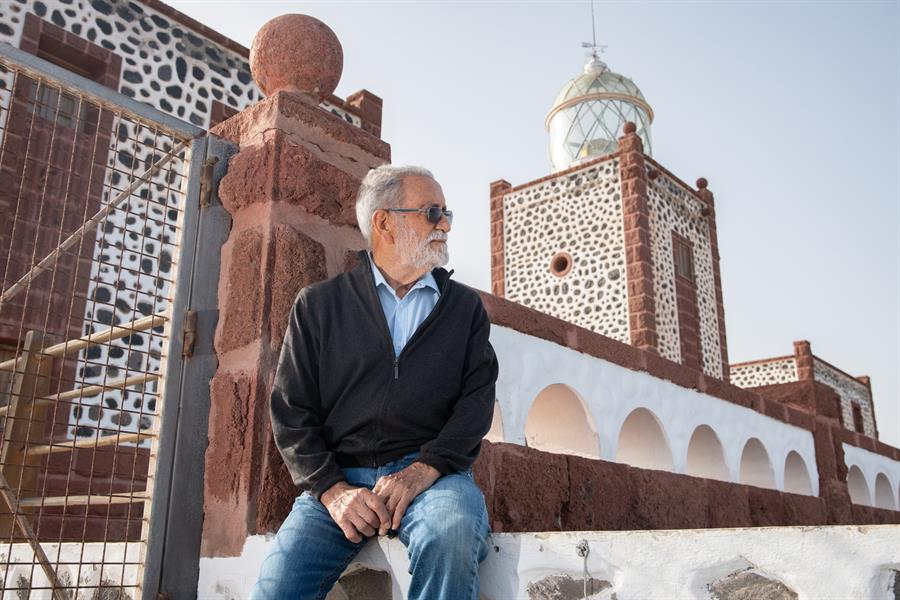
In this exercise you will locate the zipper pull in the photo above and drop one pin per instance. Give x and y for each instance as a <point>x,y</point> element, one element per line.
<point>396,368</point>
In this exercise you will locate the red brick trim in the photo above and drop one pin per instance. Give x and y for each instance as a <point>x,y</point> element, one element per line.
<point>499,189</point>
<point>638,258</point>
<point>686,303</point>
<point>368,107</point>
<point>707,196</point>
<point>804,358</point>
<point>40,37</point>
<point>197,26</point>
<point>220,112</point>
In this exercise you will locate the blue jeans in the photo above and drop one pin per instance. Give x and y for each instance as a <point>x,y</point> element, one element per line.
<point>445,531</point>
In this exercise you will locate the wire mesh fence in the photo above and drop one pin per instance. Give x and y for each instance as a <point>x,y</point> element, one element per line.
<point>91,198</point>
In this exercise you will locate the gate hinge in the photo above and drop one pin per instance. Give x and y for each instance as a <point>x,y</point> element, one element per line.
<point>206,181</point>
<point>188,333</point>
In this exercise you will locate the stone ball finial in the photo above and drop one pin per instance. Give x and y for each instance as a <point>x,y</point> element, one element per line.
<point>296,53</point>
<point>702,183</point>
<point>630,127</point>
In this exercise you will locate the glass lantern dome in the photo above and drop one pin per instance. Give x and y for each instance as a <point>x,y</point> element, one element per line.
<point>589,115</point>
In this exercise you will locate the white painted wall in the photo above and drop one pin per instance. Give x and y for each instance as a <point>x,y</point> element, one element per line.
<point>86,566</point>
<point>870,465</point>
<point>611,393</point>
<point>639,564</point>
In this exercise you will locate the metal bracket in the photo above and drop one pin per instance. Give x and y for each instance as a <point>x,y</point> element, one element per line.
<point>206,181</point>
<point>189,333</point>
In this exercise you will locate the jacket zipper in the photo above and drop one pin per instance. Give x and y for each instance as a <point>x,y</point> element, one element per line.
<point>422,327</point>
<point>387,332</point>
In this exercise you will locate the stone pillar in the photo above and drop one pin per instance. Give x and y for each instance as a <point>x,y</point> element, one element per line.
<point>291,192</point>
<point>638,257</point>
<point>803,357</point>
<point>710,213</point>
<point>499,189</point>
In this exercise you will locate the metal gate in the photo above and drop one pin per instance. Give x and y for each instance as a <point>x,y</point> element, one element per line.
<point>99,229</point>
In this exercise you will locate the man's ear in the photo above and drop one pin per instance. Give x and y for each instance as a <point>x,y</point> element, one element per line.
<point>382,226</point>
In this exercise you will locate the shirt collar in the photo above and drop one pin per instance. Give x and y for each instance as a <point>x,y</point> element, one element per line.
<point>426,280</point>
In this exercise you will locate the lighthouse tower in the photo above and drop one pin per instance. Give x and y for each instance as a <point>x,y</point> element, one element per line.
<point>610,240</point>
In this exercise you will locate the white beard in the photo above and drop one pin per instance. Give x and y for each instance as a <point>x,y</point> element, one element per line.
<point>424,255</point>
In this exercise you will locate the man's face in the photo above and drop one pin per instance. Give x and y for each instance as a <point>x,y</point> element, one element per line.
<point>421,244</point>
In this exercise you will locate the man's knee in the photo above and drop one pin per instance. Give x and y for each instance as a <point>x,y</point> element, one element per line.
<point>456,535</point>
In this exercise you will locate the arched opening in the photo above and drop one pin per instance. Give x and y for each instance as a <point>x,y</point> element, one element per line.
<point>705,457</point>
<point>642,442</point>
<point>796,476</point>
<point>495,434</point>
<point>859,489</point>
<point>884,497</point>
<point>756,468</point>
<point>559,422</point>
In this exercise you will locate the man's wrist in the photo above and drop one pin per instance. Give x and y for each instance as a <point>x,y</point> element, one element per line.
<point>329,494</point>
<point>427,469</point>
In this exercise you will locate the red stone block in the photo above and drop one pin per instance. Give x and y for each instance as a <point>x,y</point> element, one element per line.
<point>601,496</point>
<point>277,491</point>
<point>305,180</point>
<point>298,261</point>
<point>250,178</point>
<point>239,320</point>
<point>663,500</point>
<point>728,504</point>
<point>531,489</point>
<point>767,507</point>
<point>485,472</point>
<point>805,510</point>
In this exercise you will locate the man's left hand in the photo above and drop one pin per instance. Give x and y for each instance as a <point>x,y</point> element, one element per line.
<point>399,489</point>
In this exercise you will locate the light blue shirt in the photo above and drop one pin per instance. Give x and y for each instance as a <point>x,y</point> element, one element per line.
<point>404,315</point>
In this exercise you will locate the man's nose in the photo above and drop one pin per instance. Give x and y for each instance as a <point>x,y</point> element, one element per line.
<point>443,224</point>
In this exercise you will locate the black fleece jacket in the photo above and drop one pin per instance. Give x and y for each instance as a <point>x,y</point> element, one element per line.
<point>341,398</point>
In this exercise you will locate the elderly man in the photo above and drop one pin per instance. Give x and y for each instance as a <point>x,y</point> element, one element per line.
<point>384,390</point>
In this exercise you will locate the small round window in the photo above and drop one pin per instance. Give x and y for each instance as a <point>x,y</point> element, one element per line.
<point>561,264</point>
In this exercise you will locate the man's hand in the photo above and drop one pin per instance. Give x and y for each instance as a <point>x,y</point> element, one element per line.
<point>399,489</point>
<point>357,510</point>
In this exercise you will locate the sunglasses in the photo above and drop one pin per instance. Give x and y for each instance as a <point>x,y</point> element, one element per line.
<point>433,214</point>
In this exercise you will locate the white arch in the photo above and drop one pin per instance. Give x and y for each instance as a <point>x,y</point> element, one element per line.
<point>884,496</point>
<point>859,489</point>
<point>643,442</point>
<point>756,468</point>
<point>559,421</point>
<point>796,475</point>
<point>495,434</point>
<point>705,456</point>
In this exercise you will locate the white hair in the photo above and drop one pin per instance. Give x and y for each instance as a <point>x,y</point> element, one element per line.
<point>381,188</point>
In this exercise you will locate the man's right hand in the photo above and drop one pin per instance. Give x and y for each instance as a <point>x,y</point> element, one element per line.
<point>356,510</point>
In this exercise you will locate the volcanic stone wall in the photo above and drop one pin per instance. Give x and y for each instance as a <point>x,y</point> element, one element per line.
<point>577,214</point>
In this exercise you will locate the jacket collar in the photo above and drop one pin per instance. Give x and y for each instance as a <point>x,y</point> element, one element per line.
<point>363,271</point>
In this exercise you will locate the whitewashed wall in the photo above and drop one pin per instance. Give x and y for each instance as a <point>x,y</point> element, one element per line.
<point>872,465</point>
<point>611,393</point>
<point>636,564</point>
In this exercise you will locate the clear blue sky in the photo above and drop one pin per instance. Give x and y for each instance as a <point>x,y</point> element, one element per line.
<point>790,109</point>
